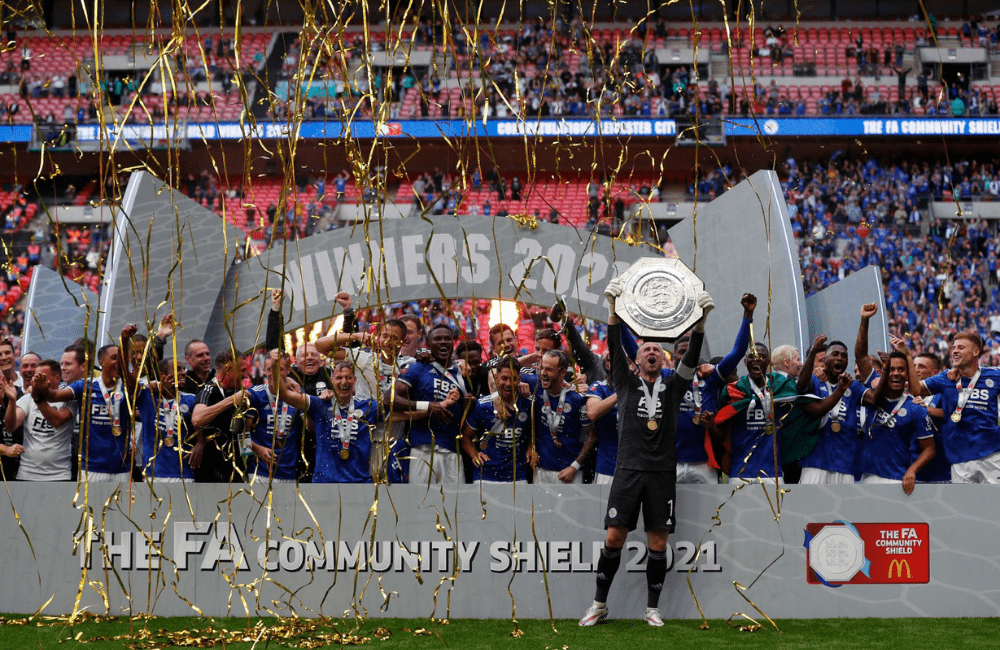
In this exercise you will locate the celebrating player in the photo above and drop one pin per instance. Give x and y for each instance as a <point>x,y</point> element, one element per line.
<point>646,473</point>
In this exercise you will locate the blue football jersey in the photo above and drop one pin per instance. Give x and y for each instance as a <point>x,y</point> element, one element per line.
<point>887,450</point>
<point>359,424</point>
<point>104,451</point>
<point>279,432</point>
<point>977,434</point>
<point>607,430</point>
<point>430,383</point>
<point>839,446</point>
<point>167,444</point>
<point>506,439</point>
<point>571,419</point>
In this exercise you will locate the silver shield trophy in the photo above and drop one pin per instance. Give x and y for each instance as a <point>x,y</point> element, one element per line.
<point>659,300</point>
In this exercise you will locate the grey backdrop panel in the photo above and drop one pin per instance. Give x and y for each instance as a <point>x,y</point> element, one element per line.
<point>58,312</point>
<point>964,524</point>
<point>381,262</point>
<point>836,311</point>
<point>168,254</point>
<point>745,244</point>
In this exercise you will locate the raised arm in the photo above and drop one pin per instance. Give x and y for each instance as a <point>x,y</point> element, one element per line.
<point>332,342</point>
<point>861,344</point>
<point>690,361</point>
<point>11,421</point>
<point>916,387</point>
<point>285,394</point>
<point>804,382</point>
<point>275,323</point>
<point>731,360</point>
<point>127,370</point>
<point>202,414</point>
<point>588,360</point>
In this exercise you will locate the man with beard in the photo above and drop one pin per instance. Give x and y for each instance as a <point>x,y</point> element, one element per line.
<point>969,396</point>
<point>889,432</point>
<point>273,427</point>
<point>565,436</point>
<point>501,422</point>
<point>469,356</point>
<point>646,474</point>
<point>171,448</point>
<point>375,369</point>
<point>503,340</point>
<point>344,426</point>
<point>700,400</point>
<point>756,411</point>
<point>214,415</point>
<point>105,420</point>
<point>835,457</point>
<point>428,388</point>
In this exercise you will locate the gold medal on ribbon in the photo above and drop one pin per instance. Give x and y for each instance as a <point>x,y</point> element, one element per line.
<point>557,442</point>
<point>169,441</point>
<point>956,416</point>
<point>769,430</point>
<point>484,443</point>
<point>697,418</point>
<point>116,431</point>
<point>651,425</point>
<point>835,427</point>
<point>345,453</point>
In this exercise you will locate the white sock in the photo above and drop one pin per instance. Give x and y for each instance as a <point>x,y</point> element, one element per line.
<point>599,605</point>
<point>650,610</point>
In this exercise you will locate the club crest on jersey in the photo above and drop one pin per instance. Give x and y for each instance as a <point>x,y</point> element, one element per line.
<point>184,408</point>
<point>567,408</point>
<point>522,417</point>
<point>989,383</point>
<point>613,512</point>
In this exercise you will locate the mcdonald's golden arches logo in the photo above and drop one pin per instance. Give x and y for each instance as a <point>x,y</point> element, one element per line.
<point>899,565</point>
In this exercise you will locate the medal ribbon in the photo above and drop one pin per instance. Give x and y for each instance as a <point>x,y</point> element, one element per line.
<point>500,419</point>
<point>113,402</point>
<point>650,405</point>
<point>890,418</point>
<point>342,425</point>
<point>696,395</point>
<point>171,407</point>
<point>554,420</point>
<point>964,393</point>
<point>765,400</point>
<point>279,432</point>
<point>838,411</point>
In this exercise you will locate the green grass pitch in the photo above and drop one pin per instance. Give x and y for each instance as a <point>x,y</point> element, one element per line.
<point>825,634</point>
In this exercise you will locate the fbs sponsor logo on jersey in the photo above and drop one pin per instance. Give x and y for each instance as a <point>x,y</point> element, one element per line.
<point>842,553</point>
